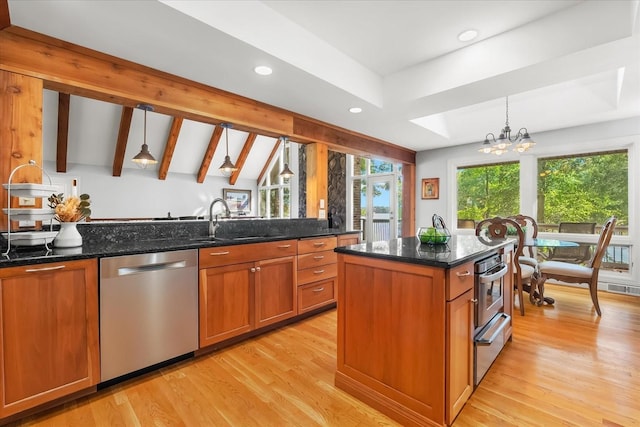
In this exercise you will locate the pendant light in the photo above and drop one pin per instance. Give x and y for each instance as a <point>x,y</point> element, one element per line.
<point>144,157</point>
<point>499,146</point>
<point>286,172</point>
<point>227,167</point>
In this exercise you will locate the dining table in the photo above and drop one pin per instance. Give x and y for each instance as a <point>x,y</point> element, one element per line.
<point>537,242</point>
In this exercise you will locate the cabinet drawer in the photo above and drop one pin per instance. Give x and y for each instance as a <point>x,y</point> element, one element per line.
<point>317,258</point>
<point>348,239</point>
<point>225,255</point>
<point>314,295</point>
<point>321,272</point>
<point>459,280</point>
<point>306,246</point>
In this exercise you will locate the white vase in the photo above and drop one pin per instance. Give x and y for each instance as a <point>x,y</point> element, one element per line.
<point>68,236</point>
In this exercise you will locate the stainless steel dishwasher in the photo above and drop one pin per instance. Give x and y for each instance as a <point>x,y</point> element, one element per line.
<point>148,310</point>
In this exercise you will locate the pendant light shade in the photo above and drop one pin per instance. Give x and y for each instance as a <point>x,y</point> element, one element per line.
<point>286,172</point>
<point>227,167</point>
<point>144,157</point>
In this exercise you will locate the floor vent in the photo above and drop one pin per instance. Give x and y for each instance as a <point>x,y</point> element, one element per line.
<point>622,289</point>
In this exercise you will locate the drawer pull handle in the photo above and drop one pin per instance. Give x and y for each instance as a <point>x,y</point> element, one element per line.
<point>284,246</point>
<point>35,270</point>
<point>318,272</point>
<point>318,244</point>
<point>318,289</point>
<point>318,257</point>
<point>219,253</point>
<point>465,274</point>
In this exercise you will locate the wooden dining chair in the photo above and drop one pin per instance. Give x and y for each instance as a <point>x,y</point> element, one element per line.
<point>576,273</point>
<point>498,228</point>
<point>526,222</point>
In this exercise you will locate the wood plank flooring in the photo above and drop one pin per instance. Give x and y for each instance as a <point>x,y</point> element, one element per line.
<point>564,367</point>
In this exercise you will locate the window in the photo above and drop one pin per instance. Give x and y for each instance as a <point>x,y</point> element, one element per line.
<point>578,193</point>
<point>487,191</point>
<point>586,188</point>
<point>374,198</point>
<point>274,191</point>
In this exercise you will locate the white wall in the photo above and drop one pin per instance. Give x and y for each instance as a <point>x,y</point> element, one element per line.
<point>442,163</point>
<point>138,193</point>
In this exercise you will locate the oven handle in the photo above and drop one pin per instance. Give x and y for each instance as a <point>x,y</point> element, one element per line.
<point>488,278</point>
<point>504,321</point>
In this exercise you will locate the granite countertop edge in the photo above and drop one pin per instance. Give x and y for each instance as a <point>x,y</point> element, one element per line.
<point>101,248</point>
<point>459,250</point>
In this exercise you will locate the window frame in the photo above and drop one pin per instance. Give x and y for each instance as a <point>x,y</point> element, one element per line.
<point>529,185</point>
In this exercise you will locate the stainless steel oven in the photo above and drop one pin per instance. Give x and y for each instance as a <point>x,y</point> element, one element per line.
<point>490,319</point>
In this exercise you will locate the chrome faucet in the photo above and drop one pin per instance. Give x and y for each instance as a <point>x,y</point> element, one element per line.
<point>214,226</point>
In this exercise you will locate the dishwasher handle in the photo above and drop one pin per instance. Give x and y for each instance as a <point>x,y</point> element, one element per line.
<point>124,271</point>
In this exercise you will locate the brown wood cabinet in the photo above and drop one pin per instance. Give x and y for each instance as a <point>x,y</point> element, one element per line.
<point>405,337</point>
<point>245,287</point>
<point>317,273</point>
<point>459,339</point>
<point>48,333</point>
<point>349,239</point>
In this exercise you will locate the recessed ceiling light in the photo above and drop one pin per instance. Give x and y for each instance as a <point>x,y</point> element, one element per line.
<point>468,35</point>
<point>263,70</point>
<point>355,110</point>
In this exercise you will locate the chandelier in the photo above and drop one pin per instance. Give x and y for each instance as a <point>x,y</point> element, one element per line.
<point>499,146</point>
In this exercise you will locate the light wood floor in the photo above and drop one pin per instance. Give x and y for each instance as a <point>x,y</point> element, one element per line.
<point>565,366</point>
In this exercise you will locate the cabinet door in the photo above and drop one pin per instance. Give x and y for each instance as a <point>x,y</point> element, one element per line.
<point>49,333</point>
<point>226,302</point>
<point>276,290</point>
<point>459,353</point>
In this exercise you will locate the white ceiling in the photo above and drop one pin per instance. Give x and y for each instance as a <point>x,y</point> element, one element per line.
<point>562,63</point>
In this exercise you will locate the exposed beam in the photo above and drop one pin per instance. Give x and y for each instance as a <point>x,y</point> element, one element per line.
<point>69,68</point>
<point>123,137</point>
<point>208,155</point>
<point>172,140</point>
<point>242,158</point>
<point>64,100</point>
<point>20,132</point>
<point>265,168</point>
<point>345,141</point>
<point>5,19</point>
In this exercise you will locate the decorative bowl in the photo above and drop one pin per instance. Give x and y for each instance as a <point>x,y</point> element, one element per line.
<point>433,235</point>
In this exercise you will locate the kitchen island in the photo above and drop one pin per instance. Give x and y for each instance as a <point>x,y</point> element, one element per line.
<point>406,325</point>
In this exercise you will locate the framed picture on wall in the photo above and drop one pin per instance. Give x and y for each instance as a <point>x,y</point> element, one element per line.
<point>239,201</point>
<point>431,188</point>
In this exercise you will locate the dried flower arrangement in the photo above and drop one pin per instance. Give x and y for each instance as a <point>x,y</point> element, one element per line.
<point>71,209</point>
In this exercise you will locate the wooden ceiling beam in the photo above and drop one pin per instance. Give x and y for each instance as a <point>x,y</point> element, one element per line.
<point>208,154</point>
<point>5,19</point>
<point>64,102</point>
<point>265,168</point>
<point>121,142</point>
<point>69,68</point>
<point>170,147</point>
<point>242,158</point>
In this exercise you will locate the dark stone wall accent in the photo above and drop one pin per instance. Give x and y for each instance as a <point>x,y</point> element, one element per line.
<point>302,180</point>
<point>337,190</point>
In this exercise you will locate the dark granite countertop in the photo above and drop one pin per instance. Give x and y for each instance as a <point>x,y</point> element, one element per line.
<point>460,249</point>
<point>117,239</point>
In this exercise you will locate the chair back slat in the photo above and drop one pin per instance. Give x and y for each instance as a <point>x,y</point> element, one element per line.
<point>603,242</point>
